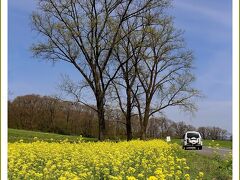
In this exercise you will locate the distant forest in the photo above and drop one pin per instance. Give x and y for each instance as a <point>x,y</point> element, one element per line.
<point>51,114</point>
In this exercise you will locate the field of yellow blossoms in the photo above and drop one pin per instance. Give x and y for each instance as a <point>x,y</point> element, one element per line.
<point>152,160</point>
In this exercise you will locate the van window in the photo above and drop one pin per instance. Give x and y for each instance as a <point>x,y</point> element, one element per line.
<point>190,135</point>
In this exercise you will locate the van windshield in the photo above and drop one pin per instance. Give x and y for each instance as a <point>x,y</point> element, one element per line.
<point>190,135</point>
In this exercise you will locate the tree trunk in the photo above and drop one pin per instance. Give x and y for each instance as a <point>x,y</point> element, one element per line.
<point>101,120</point>
<point>67,119</point>
<point>128,115</point>
<point>143,135</point>
<point>129,127</point>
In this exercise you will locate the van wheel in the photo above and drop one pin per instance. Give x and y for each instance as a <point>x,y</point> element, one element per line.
<point>200,148</point>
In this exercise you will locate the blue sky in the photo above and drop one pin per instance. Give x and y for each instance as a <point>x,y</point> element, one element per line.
<point>207,26</point>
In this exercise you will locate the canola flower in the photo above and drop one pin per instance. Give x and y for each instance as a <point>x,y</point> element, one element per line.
<point>143,160</point>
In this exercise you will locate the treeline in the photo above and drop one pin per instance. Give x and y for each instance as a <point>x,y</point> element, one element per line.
<point>51,114</point>
<point>162,127</point>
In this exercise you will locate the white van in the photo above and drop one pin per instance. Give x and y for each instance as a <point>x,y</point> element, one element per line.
<point>192,139</point>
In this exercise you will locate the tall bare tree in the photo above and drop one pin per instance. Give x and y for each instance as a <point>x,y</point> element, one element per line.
<point>124,83</point>
<point>130,50</point>
<point>163,71</point>
<point>84,33</point>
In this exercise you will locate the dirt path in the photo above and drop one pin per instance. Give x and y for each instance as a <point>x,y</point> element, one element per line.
<point>210,151</point>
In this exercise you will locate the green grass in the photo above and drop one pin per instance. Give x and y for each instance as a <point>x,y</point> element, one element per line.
<point>30,136</point>
<point>210,143</point>
<point>214,167</point>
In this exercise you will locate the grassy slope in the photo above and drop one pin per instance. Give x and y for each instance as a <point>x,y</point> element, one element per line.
<point>28,136</point>
<point>214,167</point>
<point>221,143</point>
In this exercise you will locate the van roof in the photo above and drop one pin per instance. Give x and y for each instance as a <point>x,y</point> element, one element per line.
<point>192,132</point>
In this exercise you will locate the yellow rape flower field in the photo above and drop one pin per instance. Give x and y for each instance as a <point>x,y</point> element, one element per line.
<point>154,159</point>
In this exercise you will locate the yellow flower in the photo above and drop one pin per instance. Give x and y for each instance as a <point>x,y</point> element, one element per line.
<point>94,160</point>
<point>152,178</point>
<point>131,170</point>
<point>201,174</point>
<point>62,178</point>
<point>178,173</point>
<point>131,178</point>
<point>187,176</point>
<point>140,175</point>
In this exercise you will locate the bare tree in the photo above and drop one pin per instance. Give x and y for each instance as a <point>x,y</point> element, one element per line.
<point>203,132</point>
<point>84,33</point>
<point>180,128</point>
<point>215,132</point>
<point>223,134</point>
<point>153,129</point>
<point>124,89</point>
<point>163,71</point>
<point>51,104</point>
<point>164,127</point>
